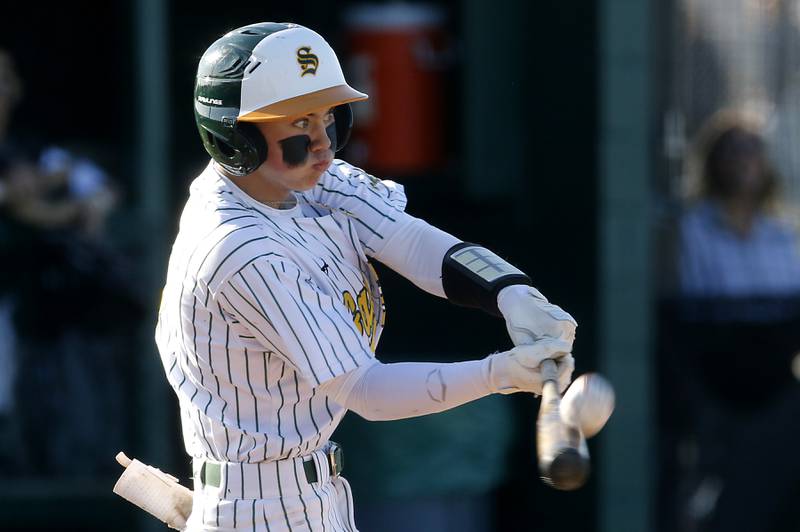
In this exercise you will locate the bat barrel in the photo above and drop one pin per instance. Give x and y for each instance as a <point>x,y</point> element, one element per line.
<point>561,449</point>
<point>568,470</point>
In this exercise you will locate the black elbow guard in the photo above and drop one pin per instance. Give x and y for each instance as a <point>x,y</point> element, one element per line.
<point>472,276</point>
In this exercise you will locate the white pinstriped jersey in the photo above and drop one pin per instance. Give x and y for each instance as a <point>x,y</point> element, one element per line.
<point>262,305</point>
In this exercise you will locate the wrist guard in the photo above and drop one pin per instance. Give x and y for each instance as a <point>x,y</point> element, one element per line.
<point>472,276</point>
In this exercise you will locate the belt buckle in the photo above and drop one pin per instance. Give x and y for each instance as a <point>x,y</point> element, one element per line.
<point>211,473</point>
<point>335,458</point>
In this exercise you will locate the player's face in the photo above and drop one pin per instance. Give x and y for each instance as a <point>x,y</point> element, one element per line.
<point>299,150</point>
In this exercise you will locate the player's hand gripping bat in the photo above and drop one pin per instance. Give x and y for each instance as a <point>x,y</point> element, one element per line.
<point>560,448</point>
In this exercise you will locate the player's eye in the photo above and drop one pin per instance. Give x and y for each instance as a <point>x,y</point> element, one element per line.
<point>329,118</point>
<point>302,123</point>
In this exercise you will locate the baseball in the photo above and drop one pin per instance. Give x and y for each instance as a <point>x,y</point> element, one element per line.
<point>588,403</point>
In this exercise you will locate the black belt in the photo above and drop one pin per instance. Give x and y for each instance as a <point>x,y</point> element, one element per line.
<point>334,459</point>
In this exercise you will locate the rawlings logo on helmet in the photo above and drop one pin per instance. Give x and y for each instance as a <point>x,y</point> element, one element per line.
<point>308,62</point>
<point>212,101</point>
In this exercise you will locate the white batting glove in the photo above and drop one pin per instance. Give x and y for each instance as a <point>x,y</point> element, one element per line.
<point>518,370</point>
<point>530,317</point>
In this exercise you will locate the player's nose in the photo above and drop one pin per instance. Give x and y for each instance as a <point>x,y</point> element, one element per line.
<point>319,138</point>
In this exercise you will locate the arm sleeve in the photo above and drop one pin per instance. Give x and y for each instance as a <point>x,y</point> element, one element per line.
<point>384,392</point>
<point>416,251</point>
<point>290,317</point>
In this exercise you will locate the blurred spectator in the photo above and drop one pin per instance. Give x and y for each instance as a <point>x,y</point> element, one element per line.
<point>10,90</point>
<point>731,241</point>
<point>66,305</point>
<point>62,192</point>
<point>736,333</point>
<point>73,310</point>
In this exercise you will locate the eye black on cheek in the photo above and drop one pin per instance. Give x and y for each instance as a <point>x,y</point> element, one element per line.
<point>295,149</point>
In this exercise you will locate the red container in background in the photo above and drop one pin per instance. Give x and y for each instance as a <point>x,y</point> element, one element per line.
<point>397,55</point>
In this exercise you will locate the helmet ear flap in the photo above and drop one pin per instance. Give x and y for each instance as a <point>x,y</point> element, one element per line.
<point>258,144</point>
<point>240,150</point>
<point>343,115</point>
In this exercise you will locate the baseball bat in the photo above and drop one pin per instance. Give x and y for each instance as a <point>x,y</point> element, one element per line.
<point>560,448</point>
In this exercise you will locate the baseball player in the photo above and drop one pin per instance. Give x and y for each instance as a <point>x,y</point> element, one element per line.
<point>271,311</point>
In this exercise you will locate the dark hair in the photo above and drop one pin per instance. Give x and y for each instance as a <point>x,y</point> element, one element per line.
<point>724,134</point>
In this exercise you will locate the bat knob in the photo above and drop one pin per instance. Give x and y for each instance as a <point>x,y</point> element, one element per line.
<point>123,460</point>
<point>568,470</point>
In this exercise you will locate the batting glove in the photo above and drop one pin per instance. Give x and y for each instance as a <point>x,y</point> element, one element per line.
<point>518,370</point>
<point>530,317</point>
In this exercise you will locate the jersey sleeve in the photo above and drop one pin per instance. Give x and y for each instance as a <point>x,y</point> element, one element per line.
<point>377,206</point>
<point>409,245</point>
<point>290,317</point>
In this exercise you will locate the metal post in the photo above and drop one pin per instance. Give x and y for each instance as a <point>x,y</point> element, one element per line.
<point>626,123</point>
<point>152,140</point>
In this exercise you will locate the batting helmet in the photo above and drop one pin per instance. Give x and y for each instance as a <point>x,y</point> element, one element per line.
<point>264,72</point>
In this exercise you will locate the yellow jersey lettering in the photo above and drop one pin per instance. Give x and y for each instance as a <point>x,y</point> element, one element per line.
<point>363,311</point>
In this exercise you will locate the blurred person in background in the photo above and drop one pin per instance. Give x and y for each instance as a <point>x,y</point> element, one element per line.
<point>10,441</point>
<point>732,243</point>
<point>61,192</point>
<point>75,301</point>
<point>739,291</point>
<point>63,289</point>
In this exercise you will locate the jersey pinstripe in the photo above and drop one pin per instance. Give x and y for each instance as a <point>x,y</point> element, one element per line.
<point>261,306</point>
